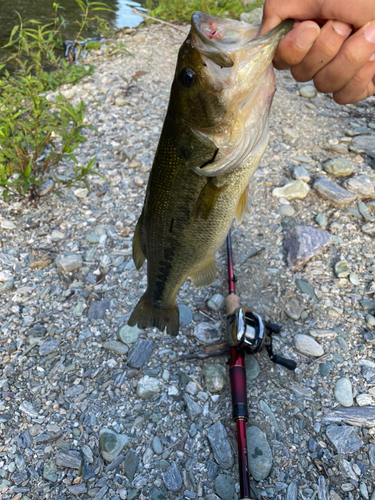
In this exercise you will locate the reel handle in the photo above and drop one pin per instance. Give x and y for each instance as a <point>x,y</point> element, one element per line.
<point>286,363</point>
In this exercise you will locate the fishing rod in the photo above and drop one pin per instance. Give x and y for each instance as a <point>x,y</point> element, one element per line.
<point>247,334</point>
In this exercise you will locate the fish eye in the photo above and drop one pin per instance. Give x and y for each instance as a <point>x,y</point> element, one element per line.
<point>188,78</point>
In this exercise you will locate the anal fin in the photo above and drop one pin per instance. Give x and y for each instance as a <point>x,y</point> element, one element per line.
<point>138,255</point>
<point>242,206</point>
<point>205,276</point>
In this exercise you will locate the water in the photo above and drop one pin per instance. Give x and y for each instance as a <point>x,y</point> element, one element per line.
<point>42,11</point>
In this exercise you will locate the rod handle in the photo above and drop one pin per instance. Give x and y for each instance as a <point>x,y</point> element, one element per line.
<point>232,302</point>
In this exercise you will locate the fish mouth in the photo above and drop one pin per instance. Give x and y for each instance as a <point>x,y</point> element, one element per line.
<point>218,38</point>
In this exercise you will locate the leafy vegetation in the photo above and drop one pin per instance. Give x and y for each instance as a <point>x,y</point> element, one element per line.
<point>36,135</point>
<point>181,10</point>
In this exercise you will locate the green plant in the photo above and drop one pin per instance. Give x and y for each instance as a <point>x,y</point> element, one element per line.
<point>35,137</point>
<point>181,10</point>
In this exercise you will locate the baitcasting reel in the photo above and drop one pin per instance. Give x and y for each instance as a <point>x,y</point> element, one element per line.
<point>247,331</point>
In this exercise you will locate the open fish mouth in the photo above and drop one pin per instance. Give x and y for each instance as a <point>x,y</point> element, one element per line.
<point>219,38</point>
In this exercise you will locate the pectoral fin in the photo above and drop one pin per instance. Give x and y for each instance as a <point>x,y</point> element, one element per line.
<point>205,276</point>
<point>207,199</point>
<point>242,206</point>
<point>138,255</point>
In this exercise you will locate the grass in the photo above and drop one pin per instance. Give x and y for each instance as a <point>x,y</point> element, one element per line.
<point>181,10</point>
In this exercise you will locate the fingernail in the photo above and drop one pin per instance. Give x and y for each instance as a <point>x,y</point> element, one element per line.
<point>307,37</point>
<point>372,58</point>
<point>370,33</point>
<point>342,29</point>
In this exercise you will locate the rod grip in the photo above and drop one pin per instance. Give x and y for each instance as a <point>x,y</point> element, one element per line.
<point>232,302</point>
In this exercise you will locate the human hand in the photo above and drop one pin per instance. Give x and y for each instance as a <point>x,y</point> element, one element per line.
<point>338,62</point>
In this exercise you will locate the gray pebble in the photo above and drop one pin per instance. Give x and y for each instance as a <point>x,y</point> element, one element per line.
<point>148,387</point>
<point>293,309</point>
<point>215,376</point>
<point>333,192</point>
<point>321,220</point>
<point>115,463</point>
<point>306,288</point>
<point>69,263</point>
<point>361,185</point>
<point>28,408</point>
<point>7,286</point>
<point>140,353</point>
<point>303,243</point>
<point>193,409</point>
<point>308,91</point>
<point>20,462</point>
<point>344,438</point>
<point>325,369</point>
<point>365,212</point>
<point>344,392</point>
<point>260,455</point>
<point>342,269</point>
<point>287,210</point>
<point>157,446</point>
<point>157,495</point>
<point>68,458</point>
<point>98,309</point>
<point>172,478</point>
<point>252,367</point>
<point>131,463</point>
<point>292,491</point>
<point>221,448</point>
<point>206,333</point>
<point>300,173</point>
<point>49,347</point>
<point>216,302</point>
<point>312,445</point>
<point>129,334</point>
<point>293,190</point>
<point>116,347</point>
<point>111,444</point>
<point>225,486</point>
<point>307,345</point>
<point>353,278</point>
<point>49,471</point>
<point>213,469</point>
<point>185,315</point>
<point>339,167</point>
<point>77,489</point>
<point>343,344</point>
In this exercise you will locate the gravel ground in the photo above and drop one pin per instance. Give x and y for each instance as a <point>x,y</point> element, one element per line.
<point>92,408</point>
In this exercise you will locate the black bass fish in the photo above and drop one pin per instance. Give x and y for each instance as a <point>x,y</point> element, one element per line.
<point>214,135</point>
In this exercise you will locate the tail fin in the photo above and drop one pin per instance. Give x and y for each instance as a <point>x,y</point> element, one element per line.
<point>148,315</point>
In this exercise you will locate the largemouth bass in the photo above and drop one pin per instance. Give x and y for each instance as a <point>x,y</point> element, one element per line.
<point>214,135</point>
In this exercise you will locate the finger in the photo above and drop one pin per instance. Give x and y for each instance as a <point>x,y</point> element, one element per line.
<point>332,35</point>
<point>275,11</point>
<point>360,86</point>
<point>296,44</point>
<point>353,55</point>
<point>355,12</point>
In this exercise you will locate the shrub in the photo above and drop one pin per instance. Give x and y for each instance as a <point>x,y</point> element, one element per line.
<point>35,134</point>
